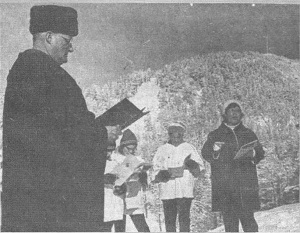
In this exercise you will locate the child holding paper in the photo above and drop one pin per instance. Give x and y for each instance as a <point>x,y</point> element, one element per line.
<point>176,164</point>
<point>137,182</point>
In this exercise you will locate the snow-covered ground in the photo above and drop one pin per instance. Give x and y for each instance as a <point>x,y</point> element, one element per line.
<point>152,223</point>
<point>281,219</point>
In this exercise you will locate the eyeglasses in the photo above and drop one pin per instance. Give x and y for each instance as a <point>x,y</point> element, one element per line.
<point>68,41</point>
<point>131,149</point>
<point>176,133</point>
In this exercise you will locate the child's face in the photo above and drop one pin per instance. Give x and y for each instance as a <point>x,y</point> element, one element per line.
<point>130,149</point>
<point>176,134</point>
<point>234,116</point>
<point>108,154</point>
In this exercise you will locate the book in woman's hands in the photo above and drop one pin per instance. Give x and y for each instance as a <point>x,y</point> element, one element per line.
<point>176,172</point>
<point>246,150</point>
<point>128,167</point>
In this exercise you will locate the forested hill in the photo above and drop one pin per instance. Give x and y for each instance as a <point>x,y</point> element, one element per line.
<point>192,90</point>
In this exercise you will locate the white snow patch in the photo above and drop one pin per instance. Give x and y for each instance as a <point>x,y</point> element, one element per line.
<point>280,219</point>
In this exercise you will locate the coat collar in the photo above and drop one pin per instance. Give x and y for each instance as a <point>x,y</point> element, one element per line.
<point>169,142</point>
<point>43,57</point>
<point>239,127</point>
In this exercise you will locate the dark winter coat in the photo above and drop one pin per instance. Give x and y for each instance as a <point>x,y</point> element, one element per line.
<point>53,152</point>
<point>233,182</point>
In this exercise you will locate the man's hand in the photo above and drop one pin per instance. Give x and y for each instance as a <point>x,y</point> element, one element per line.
<point>218,146</point>
<point>113,132</point>
<point>109,178</point>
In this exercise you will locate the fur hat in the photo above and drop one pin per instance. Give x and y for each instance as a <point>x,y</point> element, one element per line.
<point>177,124</point>
<point>128,138</point>
<point>58,19</point>
<point>227,103</point>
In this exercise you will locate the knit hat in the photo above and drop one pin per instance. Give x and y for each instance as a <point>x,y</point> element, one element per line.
<point>58,19</point>
<point>128,138</point>
<point>227,103</point>
<point>177,124</point>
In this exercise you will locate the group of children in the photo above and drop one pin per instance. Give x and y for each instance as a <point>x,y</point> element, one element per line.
<point>175,166</point>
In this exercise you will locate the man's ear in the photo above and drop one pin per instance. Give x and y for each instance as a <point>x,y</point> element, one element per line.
<point>49,37</point>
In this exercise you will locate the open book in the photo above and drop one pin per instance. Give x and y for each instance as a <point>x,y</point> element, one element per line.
<point>176,172</point>
<point>123,113</point>
<point>246,150</point>
<point>128,167</point>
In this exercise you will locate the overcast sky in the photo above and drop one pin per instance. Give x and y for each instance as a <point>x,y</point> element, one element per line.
<point>115,39</point>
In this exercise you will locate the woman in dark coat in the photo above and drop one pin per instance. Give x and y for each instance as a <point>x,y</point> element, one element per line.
<point>53,151</point>
<point>234,182</point>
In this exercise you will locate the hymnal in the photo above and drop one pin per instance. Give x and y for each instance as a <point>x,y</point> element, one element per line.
<point>128,167</point>
<point>123,113</point>
<point>246,150</point>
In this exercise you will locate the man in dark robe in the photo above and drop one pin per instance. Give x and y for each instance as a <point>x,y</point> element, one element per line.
<point>53,150</point>
<point>234,181</point>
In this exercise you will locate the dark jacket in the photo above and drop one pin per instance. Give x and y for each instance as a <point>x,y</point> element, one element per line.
<point>233,182</point>
<point>53,152</point>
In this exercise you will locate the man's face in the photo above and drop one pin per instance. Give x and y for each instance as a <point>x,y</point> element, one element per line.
<point>61,47</point>
<point>175,134</point>
<point>233,116</point>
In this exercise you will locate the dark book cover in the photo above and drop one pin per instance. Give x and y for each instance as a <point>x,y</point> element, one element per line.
<point>123,113</point>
